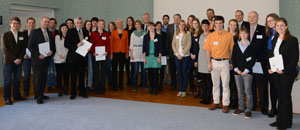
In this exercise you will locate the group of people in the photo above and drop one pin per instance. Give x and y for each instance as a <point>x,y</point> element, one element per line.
<point>216,63</point>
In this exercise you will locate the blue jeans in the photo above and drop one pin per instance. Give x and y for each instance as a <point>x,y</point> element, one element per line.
<point>182,67</point>
<point>51,79</point>
<point>90,70</point>
<point>135,74</point>
<point>8,71</point>
<point>108,71</point>
<point>27,71</point>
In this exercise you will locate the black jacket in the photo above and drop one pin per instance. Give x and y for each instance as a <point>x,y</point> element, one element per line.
<point>157,44</point>
<point>12,50</point>
<point>71,41</point>
<point>37,37</point>
<point>170,35</point>
<point>244,60</point>
<point>164,43</point>
<point>289,49</point>
<point>260,44</point>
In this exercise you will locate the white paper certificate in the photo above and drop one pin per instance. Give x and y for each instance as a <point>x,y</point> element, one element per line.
<point>163,60</point>
<point>28,53</point>
<point>83,50</point>
<point>44,48</point>
<point>276,62</point>
<point>257,68</point>
<point>100,51</point>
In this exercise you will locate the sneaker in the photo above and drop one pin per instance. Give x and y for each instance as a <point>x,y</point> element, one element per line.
<point>179,94</point>
<point>225,109</point>
<point>183,95</point>
<point>237,112</point>
<point>248,115</point>
<point>213,106</point>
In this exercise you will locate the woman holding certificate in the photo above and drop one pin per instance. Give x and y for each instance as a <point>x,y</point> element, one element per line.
<point>100,49</point>
<point>285,49</point>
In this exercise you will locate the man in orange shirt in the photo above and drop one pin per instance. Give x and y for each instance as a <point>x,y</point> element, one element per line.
<point>219,45</point>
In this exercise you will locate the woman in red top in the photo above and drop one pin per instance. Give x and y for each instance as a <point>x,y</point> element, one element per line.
<point>100,39</point>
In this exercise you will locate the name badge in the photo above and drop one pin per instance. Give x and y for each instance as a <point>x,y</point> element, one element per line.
<point>21,38</point>
<point>177,37</point>
<point>103,38</point>
<point>196,39</point>
<point>259,36</point>
<point>86,38</point>
<point>155,40</point>
<point>248,59</point>
<point>215,43</point>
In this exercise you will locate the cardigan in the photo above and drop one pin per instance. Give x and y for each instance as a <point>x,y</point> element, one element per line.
<point>157,44</point>
<point>60,50</point>
<point>185,42</point>
<point>245,60</point>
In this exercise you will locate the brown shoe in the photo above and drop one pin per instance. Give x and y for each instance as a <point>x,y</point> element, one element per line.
<point>213,106</point>
<point>237,112</point>
<point>225,109</point>
<point>248,115</point>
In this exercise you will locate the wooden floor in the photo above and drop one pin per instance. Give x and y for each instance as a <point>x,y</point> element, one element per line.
<point>165,96</point>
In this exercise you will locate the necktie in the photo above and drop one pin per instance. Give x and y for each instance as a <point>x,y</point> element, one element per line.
<point>46,36</point>
<point>251,33</point>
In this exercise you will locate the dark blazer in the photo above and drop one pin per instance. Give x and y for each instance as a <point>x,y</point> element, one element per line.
<point>260,44</point>
<point>71,41</point>
<point>12,50</point>
<point>245,24</point>
<point>289,49</point>
<point>143,26</point>
<point>244,60</point>
<point>26,37</point>
<point>164,43</point>
<point>170,34</point>
<point>56,32</point>
<point>37,37</point>
<point>157,45</point>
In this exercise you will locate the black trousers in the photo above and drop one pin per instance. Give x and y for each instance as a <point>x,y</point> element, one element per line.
<point>161,76</point>
<point>233,91</point>
<point>62,76</point>
<point>192,74</point>
<point>128,68</point>
<point>206,84</point>
<point>99,83</point>
<point>77,69</point>
<point>260,80</point>
<point>40,77</point>
<point>172,68</point>
<point>153,78</point>
<point>119,60</point>
<point>284,84</point>
<point>273,92</point>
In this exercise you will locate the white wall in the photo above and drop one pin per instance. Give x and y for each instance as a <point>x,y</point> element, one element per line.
<point>226,8</point>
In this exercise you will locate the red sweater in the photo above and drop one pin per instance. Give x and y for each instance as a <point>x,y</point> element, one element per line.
<point>96,40</point>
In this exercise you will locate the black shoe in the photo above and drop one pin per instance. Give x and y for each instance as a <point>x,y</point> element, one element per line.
<point>121,87</point>
<point>40,101</point>
<point>264,112</point>
<point>154,92</point>
<point>45,97</point>
<point>85,96</point>
<point>272,113</point>
<point>20,99</point>
<point>8,102</point>
<point>72,97</point>
<point>202,101</point>
<point>274,124</point>
<point>25,94</point>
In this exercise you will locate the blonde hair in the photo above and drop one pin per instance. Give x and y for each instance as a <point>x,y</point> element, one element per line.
<point>184,29</point>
